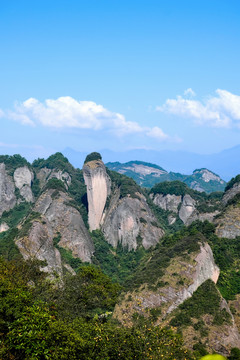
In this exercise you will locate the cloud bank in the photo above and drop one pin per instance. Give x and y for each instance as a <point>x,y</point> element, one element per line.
<point>66,112</point>
<point>222,110</point>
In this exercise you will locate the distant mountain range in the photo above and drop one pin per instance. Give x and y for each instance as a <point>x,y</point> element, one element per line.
<point>225,163</point>
<point>147,175</point>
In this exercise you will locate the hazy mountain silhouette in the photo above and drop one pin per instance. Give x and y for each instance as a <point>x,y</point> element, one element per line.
<point>225,163</point>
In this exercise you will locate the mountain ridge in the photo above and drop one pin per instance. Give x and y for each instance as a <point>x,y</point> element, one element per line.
<point>148,174</point>
<point>157,243</point>
<point>225,163</point>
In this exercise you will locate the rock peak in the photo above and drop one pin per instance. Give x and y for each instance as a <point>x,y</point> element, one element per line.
<point>98,188</point>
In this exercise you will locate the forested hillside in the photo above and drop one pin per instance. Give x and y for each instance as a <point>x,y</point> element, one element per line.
<point>93,266</point>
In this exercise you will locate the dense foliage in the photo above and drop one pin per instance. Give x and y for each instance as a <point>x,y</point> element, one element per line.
<point>127,186</point>
<point>71,318</point>
<point>232,182</point>
<point>172,187</point>
<point>13,162</point>
<point>93,156</point>
<point>151,268</point>
<point>227,254</point>
<point>56,161</point>
<point>205,300</point>
<point>13,216</point>
<point>117,263</point>
<point>33,324</point>
<point>8,248</point>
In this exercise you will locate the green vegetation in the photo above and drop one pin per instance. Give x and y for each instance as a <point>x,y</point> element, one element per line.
<point>36,186</point>
<point>13,162</point>
<point>151,267</point>
<point>66,254</point>
<point>205,202</point>
<point>8,248</point>
<point>232,182</point>
<point>127,186</point>
<point>13,216</point>
<point>162,216</point>
<point>226,254</point>
<point>55,184</point>
<point>93,156</point>
<point>87,294</point>
<point>205,300</point>
<point>28,223</point>
<point>77,188</point>
<point>42,322</point>
<point>56,161</point>
<point>116,263</point>
<point>149,180</point>
<point>172,187</point>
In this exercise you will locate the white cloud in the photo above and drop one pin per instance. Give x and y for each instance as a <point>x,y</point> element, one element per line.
<point>66,112</point>
<point>189,92</point>
<point>222,110</point>
<point>157,133</point>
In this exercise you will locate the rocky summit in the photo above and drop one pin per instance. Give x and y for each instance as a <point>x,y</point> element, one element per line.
<point>173,246</point>
<point>147,175</point>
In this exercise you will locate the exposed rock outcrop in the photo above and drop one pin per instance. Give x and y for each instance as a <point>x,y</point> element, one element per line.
<point>7,190</point>
<point>38,244</point>
<point>45,174</point>
<point>130,222</point>
<point>171,202</point>
<point>218,338</point>
<point>207,176</point>
<point>195,271</point>
<point>4,227</point>
<point>98,188</point>
<point>66,220</point>
<point>23,178</point>
<point>187,208</point>
<point>228,224</point>
<point>167,202</point>
<point>147,175</point>
<point>229,194</point>
<point>196,215</point>
<point>57,218</point>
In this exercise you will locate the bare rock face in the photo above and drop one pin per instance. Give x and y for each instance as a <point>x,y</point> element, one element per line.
<point>231,193</point>
<point>66,220</point>
<point>38,244</point>
<point>187,208</point>
<point>3,227</point>
<point>196,270</point>
<point>98,188</point>
<point>220,339</point>
<point>23,178</point>
<point>129,221</point>
<point>196,215</point>
<point>46,174</point>
<point>56,218</point>
<point>7,190</point>
<point>61,175</point>
<point>228,225</point>
<point>43,175</point>
<point>205,269</point>
<point>167,202</point>
<point>208,176</point>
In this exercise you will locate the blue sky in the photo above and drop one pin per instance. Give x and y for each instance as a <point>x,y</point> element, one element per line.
<point>119,74</point>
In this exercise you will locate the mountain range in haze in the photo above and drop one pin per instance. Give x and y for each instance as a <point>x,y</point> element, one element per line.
<point>225,163</point>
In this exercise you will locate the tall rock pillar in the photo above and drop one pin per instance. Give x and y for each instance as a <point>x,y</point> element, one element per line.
<point>98,188</point>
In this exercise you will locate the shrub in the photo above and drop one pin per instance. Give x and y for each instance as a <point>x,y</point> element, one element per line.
<point>93,156</point>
